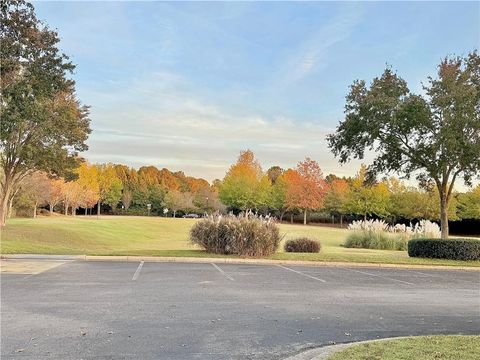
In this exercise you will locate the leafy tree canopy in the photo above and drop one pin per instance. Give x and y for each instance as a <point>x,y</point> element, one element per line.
<point>43,124</point>
<point>434,136</point>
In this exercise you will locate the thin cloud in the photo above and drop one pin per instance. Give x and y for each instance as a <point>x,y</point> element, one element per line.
<point>312,53</point>
<point>204,138</point>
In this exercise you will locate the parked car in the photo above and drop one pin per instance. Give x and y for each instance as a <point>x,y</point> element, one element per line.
<point>191,216</point>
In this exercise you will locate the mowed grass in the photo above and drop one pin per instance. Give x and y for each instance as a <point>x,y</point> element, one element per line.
<point>440,347</point>
<point>156,236</point>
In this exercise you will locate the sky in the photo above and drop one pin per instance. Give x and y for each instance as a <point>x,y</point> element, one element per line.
<point>188,85</point>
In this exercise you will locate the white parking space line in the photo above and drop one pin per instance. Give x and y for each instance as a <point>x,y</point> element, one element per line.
<point>424,274</point>
<point>223,272</point>
<point>137,273</point>
<point>380,276</point>
<point>301,273</point>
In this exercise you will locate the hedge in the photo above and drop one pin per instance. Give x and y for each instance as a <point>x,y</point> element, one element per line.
<point>454,249</point>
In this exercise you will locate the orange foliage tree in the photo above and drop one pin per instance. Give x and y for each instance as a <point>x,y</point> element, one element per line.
<point>306,187</point>
<point>54,193</point>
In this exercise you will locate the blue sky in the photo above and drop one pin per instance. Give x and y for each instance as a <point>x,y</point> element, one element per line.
<point>188,85</point>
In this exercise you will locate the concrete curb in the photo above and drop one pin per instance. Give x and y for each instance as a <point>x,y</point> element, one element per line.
<point>221,260</point>
<point>324,352</point>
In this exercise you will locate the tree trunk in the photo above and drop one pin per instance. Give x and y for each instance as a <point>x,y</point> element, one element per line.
<point>305,217</point>
<point>10,206</point>
<point>35,211</point>
<point>98,208</point>
<point>365,217</point>
<point>341,221</point>
<point>282,214</point>
<point>86,211</point>
<point>291,218</point>
<point>4,200</point>
<point>74,211</point>
<point>66,208</point>
<point>51,209</point>
<point>444,214</point>
<point>174,213</point>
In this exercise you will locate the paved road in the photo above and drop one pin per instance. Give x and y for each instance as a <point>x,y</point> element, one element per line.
<point>113,310</point>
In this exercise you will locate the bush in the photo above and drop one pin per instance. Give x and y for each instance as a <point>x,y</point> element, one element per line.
<point>248,235</point>
<point>375,240</point>
<point>302,245</point>
<point>454,249</point>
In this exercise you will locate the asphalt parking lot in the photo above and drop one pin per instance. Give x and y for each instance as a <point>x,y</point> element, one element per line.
<point>127,310</point>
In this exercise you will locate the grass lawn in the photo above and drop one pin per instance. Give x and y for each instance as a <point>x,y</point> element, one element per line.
<point>156,236</point>
<point>439,347</point>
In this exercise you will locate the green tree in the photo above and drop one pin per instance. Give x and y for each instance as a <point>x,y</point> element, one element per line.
<point>366,198</point>
<point>43,124</point>
<point>336,196</point>
<point>278,195</point>
<point>156,197</point>
<point>436,136</point>
<point>412,203</point>
<point>129,179</point>
<point>469,204</point>
<point>274,173</point>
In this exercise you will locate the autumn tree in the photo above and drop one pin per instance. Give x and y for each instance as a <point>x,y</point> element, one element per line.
<point>54,195</point>
<point>306,187</point>
<point>241,183</point>
<point>72,194</point>
<point>109,186</point>
<point>168,180</point>
<point>434,136</point>
<point>88,183</point>
<point>43,125</point>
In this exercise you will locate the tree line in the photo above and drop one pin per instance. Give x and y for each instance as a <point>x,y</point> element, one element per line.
<point>119,188</point>
<point>246,186</point>
<point>305,189</point>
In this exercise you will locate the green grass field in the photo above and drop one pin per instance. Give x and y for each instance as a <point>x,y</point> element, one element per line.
<point>442,347</point>
<point>155,236</point>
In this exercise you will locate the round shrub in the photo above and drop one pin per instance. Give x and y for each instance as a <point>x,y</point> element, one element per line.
<point>454,249</point>
<point>243,235</point>
<point>302,245</point>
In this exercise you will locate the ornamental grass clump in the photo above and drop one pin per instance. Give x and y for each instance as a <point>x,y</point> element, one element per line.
<point>377,234</point>
<point>245,235</point>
